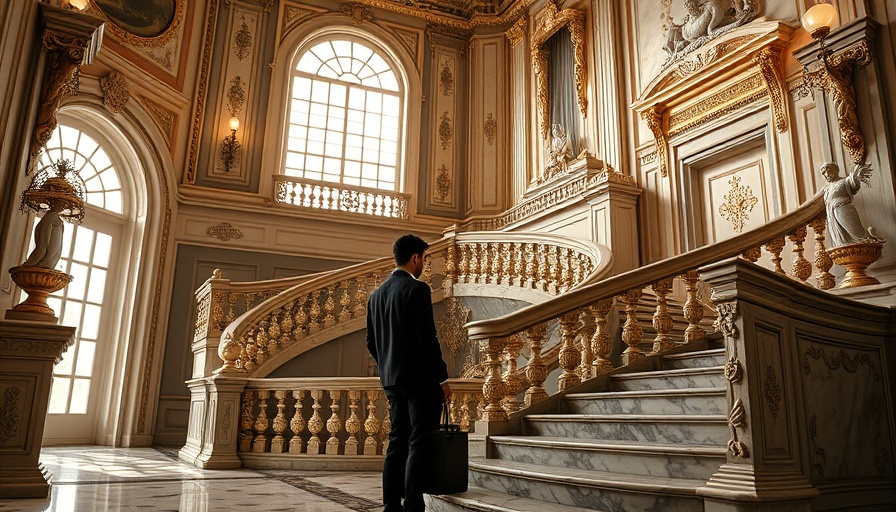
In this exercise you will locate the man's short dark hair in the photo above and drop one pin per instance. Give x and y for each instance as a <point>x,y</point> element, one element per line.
<point>407,246</point>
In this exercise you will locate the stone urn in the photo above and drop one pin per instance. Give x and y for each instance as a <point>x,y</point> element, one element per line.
<point>38,283</point>
<point>855,258</point>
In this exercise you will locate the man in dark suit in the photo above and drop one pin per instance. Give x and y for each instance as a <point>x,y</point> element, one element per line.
<point>401,337</point>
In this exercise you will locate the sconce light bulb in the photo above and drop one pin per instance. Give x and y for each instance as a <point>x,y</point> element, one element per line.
<point>819,19</point>
<point>234,124</point>
<point>78,4</point>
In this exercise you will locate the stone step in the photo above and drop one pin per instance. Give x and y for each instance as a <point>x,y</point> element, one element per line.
<point>656,459</point>
<point>478,499</point>
<point>663,428</point>
<point>592,490</point>
<point>671,401</point>
<point>712,377</point>
<point>701,359</point>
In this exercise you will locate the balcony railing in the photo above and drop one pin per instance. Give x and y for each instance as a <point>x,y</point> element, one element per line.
<point>300,193</point>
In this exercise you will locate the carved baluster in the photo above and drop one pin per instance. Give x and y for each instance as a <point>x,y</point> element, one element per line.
<point>473,273</point>
<point>823,263</point>
<point>426,275</point>
<point>775,247</point>
<point>662,320</point>
<point>495,274</point>
<point>251,351</point>
<point>360,298</point>
<point>297,424</point>
<point>493,389</point>
<point>334,424</point>
<point>801,268</point>
<point>261,342</point>
<point>483,263</point>
<point>513,381</point>
<point>345,301</point>
<point>506,264</point>
<point>465,419</point>
<point>352,424</point>
<point>274,333</point>
<point>553,276</point>
<point>570,357</point>
<point>450,277</point>
<point>693,309</point>
<point>463,264</point>
<point>314,312</point>
<point>519,265</point>
<point>279,424</point>
<point>601,343</point>
<point>301,318</point>
<point>260,444</point>
<point>248,407</point>
<point>330,306</point>
<point>752,255</point>
<point>531,275</point>
<point>536,370</point>
<point>315,424</point>
<point>586,370</point>
<point>577,270</point>
<point>286,323</point>
<point>387,428</point>
<point>631,331</point>
<point>231,300</point>
<point>565,270</point>
<point>371,424</point>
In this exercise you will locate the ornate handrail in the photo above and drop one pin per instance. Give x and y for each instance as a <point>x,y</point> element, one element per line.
<point>301,193</point>
<point>296,318</point>
<point>585,343</point>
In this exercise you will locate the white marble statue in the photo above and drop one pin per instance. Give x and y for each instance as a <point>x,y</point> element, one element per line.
<point>844,225</point>
<point>704,20</point>
<point>559,152</point>
<point>47,240</point>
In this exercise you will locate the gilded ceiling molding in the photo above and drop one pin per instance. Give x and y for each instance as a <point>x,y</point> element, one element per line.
<point>448,18</point>
<point>201,92</point>
<point>490,129</point>
<point>455,40</point>
<point>123,36</point>
<point>548,22</point>
<point>835,78</point>
<point>769,61</point>
<point>224,231</point>
<point>517,32</point>
<point>737,205</point>
<point>653,116</point>
<point>358,12</point>
<point>443,184</point>
<point>115,92</point>
<point>164,118</point>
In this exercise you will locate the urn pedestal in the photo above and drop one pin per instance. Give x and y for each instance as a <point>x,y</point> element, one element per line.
<point>38,283</point>
<point>855,258</point>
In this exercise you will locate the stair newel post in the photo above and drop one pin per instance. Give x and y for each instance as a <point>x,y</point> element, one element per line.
<point>632,333</point>
<point>315,424</point>
<point>371,424</point>
<point>570,357</point>
<point>601,342</point>
<point>297,424</point>
<point>493,389</point>
<point>352,424</point>
<point>536,370</point>
<point>693,309</point>
<point>513,381</point>
<point>765,467</point>
<point>823,262</point>
<point>334,423</point>
<point>279,423</point>
<point>801,268</point>
<point>586,332</point>
<point>662,320</point>
<point>260,443</point>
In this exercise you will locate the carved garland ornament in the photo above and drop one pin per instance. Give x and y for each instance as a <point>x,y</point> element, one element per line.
<point>739,202</point>
<point>446,80</point>
<point>443,184</point>
<point>772,392</point>
<point>445,130</point>
<point>236,95</point>
<point>490,129</point>
<point>115,92</point>
<point>358,12</point>
<point>552,20</point>
<point>224,231</point>
<point>9,424</point>
<point>242,41</point>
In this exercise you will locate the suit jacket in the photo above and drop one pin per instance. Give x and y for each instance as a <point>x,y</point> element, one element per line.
<point>401,333</point>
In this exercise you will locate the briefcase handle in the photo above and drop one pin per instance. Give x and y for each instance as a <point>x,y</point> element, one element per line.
<point>447,424</point>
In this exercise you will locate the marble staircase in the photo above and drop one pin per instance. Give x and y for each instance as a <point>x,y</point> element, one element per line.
<point>646,443</point>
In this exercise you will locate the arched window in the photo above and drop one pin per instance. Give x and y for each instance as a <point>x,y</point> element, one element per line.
<point>345,117</point>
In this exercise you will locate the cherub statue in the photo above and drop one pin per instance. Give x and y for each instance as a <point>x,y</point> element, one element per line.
<point>47,240</point>
<point>707,19</point>
<point>559,152</point>
<point>844,225</point>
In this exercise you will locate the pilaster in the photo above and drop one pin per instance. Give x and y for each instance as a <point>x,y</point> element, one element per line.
<point>614,214</point>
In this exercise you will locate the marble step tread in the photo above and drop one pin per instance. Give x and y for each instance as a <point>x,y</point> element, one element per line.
<point>631,418</point>
<point>646,393</point>
<point>710,370</point>
<point>586,478</point>
<point>699,353</point>
<point>485,500</point>
<point>613,446</point>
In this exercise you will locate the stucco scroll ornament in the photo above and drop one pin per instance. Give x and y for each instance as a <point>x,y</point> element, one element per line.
<point>224,231</point>
<point>853,246</point>
<point>704,20</point>
<point>115,92</point>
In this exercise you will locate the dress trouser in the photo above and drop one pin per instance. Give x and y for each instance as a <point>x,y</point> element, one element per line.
<point>413,412</point>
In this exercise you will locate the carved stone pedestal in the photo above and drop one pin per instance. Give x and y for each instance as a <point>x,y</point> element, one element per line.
<point>28,351</point>
<point>214,422</point>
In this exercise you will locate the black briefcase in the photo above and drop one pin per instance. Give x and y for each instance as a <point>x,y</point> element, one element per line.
<point>446,454</point>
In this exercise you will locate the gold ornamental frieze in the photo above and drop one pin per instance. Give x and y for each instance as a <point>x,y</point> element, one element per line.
<point>717,104</point>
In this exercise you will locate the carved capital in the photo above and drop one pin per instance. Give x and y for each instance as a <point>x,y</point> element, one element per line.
<point>516,33</point>
<point>653,116</point>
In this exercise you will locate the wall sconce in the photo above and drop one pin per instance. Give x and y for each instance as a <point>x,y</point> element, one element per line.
<point>819,19</point>
<point>230,146</point>
<point>75,5</point>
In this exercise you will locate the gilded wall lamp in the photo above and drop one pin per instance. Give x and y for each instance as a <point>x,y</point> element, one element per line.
<point>839,53</point>
<point>230,146</point>
<point>70,38</point>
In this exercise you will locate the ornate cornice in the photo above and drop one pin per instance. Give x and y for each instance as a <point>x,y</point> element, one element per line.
<point>477,14</point>
<point>517,32</point>
<point>719,103</point>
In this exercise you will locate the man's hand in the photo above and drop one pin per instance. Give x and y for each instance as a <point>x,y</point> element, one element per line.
<point>446,390</point>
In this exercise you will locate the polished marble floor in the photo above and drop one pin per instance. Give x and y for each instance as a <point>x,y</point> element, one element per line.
<point>89,478</point>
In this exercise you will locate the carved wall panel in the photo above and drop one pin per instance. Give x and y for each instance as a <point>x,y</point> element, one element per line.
<point>446,64</point>
<point>487,176</point>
